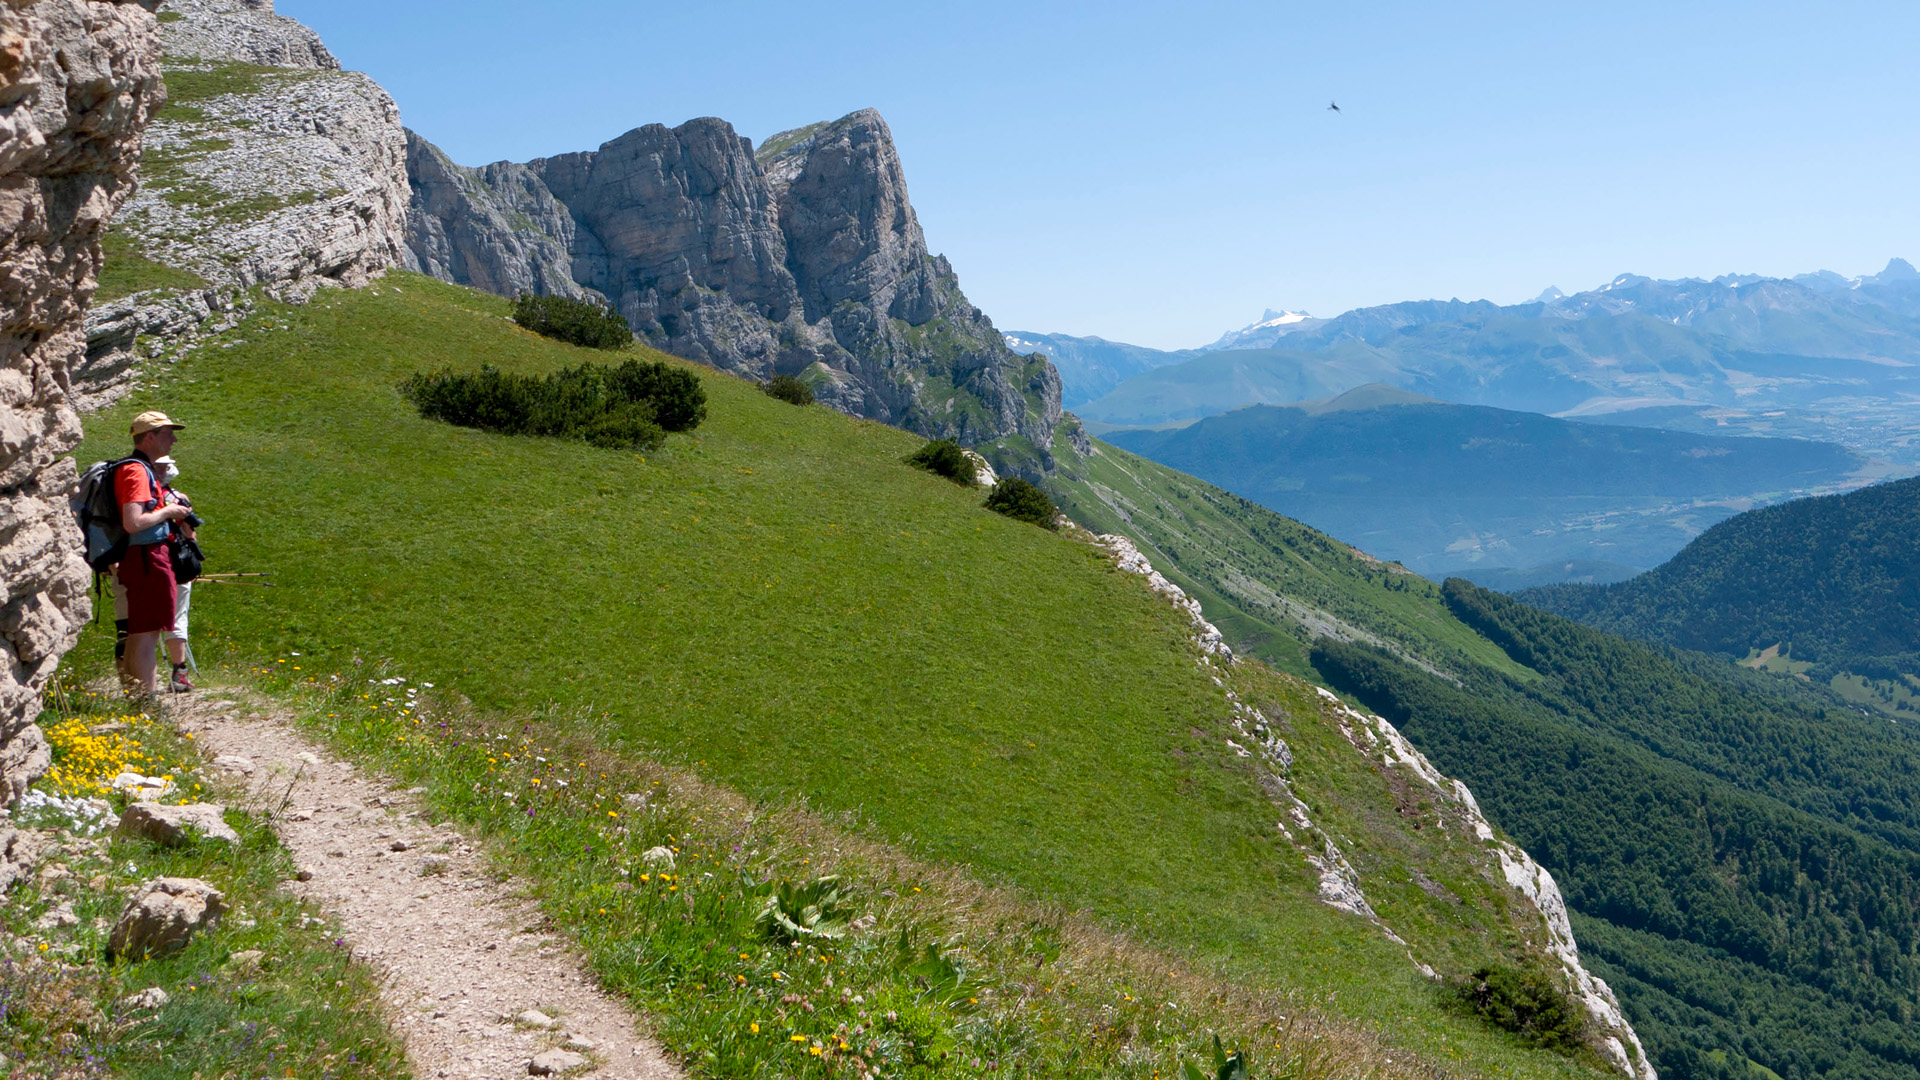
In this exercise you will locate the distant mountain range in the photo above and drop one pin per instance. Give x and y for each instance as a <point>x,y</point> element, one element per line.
<point>1814,355</point>
<point>1442,488</point>
<point>1092,366</point>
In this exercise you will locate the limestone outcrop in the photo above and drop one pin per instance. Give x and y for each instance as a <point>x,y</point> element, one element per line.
<point>244,30</point>
<point>497,228</point>
<point>805,258</point>
<point>79,80</point>
<point>270,167</point>
<point>1339,883</point>
<point>163,916</point>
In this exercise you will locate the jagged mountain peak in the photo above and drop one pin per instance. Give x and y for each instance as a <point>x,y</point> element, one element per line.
<point>805,258</point>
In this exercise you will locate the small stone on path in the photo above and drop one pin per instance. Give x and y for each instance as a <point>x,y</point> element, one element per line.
<point>555,1062</point>
<point>534,1018</point>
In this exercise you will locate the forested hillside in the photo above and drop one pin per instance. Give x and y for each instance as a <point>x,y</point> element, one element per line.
<point>1745,865</point>
<point>1830,582</point>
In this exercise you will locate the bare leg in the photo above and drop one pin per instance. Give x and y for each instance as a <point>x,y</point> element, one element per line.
<point>177,650</point>
<point>142,650</point>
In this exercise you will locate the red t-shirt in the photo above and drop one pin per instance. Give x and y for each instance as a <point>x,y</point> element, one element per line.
<point>131,484</point>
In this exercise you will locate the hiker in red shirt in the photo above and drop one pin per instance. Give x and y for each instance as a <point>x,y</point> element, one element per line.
<point>147,569</point>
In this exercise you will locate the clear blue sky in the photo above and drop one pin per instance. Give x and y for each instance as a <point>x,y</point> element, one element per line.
<point>1160,173</point>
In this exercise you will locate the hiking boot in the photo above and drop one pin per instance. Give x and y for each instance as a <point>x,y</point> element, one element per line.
<point>180,684</point>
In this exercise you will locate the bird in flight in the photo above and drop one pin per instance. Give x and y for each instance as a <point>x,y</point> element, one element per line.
<point>1331,107</point>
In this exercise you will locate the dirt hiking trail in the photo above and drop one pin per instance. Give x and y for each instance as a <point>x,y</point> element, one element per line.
<point>464,954</point>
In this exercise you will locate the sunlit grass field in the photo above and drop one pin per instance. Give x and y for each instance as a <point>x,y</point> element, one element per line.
<point>776,603</point>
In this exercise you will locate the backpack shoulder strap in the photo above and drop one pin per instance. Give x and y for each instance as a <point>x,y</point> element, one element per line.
<point>114,467</point>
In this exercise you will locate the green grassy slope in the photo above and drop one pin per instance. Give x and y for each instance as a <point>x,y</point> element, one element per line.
<point>1269,582</point>
<point>778,602</point>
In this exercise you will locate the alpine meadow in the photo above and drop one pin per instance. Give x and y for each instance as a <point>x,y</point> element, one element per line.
<point>568,583</point>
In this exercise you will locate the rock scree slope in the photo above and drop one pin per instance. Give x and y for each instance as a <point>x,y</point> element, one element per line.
<point>270,167</point>
<point>803,258</point>
<point>78,81</point>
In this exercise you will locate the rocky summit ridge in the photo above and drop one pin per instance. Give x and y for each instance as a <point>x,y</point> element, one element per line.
<point>803,258</point>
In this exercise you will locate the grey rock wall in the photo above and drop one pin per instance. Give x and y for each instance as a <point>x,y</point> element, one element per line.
<point>806,259</point>
<point>293,177</point>
<point>79,80</point>
<point>243,30</point>
<point>496,228</point>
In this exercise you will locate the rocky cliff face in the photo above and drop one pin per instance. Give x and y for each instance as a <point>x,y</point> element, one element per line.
<point>78,81</point>
<point>244,30</point>
<point>496,228</point>
<point>803,259</point>
<point>269,167</point>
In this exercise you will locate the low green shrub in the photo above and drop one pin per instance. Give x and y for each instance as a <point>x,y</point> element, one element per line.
<point>1526,1003</point>
<point>943,457</point>
<point>1022,501</point>
<point>629,407</point>
<point>788,388</point>
<point>578,322</point>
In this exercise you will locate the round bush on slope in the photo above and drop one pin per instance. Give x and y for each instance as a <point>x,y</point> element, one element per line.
<point>1022,501</point>
<point>577,322</point>
<point>788,388</point>
<point>943,457</point>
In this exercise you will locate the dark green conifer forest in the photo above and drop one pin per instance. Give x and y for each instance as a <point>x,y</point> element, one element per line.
<point>1742,855</point>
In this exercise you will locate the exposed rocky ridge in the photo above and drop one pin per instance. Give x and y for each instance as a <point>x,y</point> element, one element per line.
<point>270,168</point>
<point>1340,885</point>
<point>805,259</point>
<point>245,30</point>
<point>79,80</point>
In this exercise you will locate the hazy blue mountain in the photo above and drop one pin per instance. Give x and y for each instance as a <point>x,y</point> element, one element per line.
<point>1091,366</point>
<point>1443,487</point>
<point>1840,354</point>
<point>1214,382</point>
<point>1266,332</point>
<point>1565,572</point>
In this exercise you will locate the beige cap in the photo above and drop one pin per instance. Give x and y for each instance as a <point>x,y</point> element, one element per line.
<point>152,421</point>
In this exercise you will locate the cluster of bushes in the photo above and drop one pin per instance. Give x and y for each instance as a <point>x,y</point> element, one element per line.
<point>628,407</point>
<point>1022,501</point>
<point>1011,495</point>
<point>1526,1003</point>
<point>788,388</point>
<point>943,457</point>
<point>578,322</point>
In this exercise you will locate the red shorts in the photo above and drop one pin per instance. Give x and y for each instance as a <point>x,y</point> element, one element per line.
<point>147,572</point>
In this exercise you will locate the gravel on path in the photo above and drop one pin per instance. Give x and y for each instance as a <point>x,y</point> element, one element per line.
<point>464,953</point>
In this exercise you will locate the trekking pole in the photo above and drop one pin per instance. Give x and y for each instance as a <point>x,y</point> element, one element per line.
<point>230,581</point>
<point>237,574</point>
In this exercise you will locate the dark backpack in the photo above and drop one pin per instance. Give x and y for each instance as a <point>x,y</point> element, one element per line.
<point>97,511</point>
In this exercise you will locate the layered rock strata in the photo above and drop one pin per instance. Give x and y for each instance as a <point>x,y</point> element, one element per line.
<point>270,167</point>
<point>803,259</point>
<point>79,80</point>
